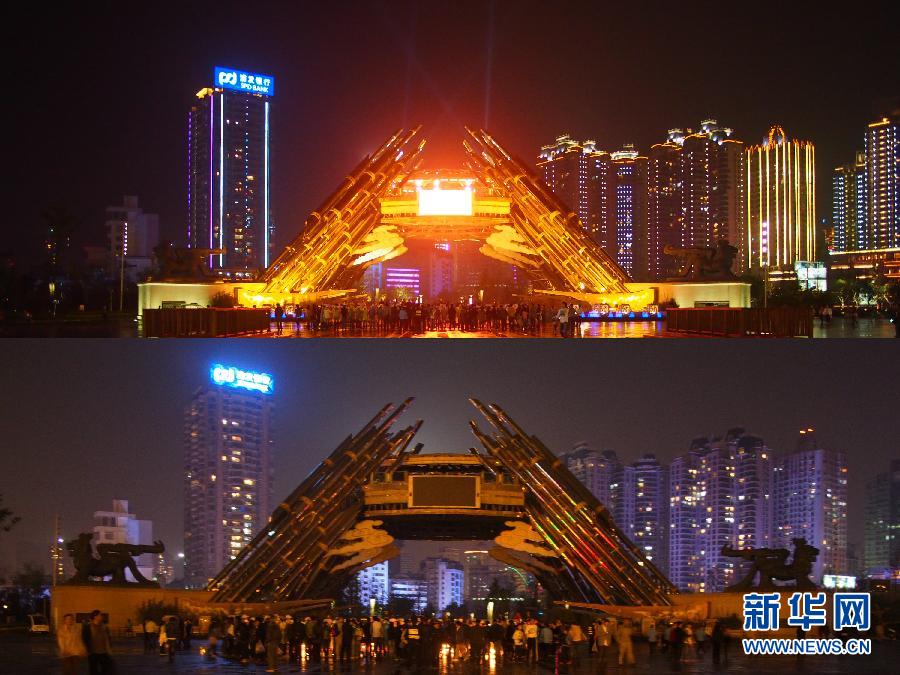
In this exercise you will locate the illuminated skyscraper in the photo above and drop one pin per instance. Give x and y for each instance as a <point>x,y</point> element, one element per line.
<point>720,494</point>
<point>374,582</point>
<point>579,174</point>
<point>780,202</point>
<point>849,206</point>
<point>444,581</point>
<point>642,508</point>
<point>810,490</point>
<point>664,215</point>
<point>882,537</point>
<point>228,469</point>
<point>629,189</point>
<point>883,184</point>
<point>228,172</point>
<point>695,194</point>
<point>596,470</point>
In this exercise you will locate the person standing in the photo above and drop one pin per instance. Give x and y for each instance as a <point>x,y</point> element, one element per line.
<point>576,640</point>
<point>626,648</point>
<point>652,638</point>
<point>71,645</point>
<point>273,641</point>
<point>563,317</point>
<point>95,635</point>
<point>531,638</point>
<point>603,639</point>
<point>151,636</point>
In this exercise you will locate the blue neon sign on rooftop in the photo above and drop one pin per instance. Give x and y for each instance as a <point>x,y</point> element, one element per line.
<point>238,80</point>
<point>229,376</point>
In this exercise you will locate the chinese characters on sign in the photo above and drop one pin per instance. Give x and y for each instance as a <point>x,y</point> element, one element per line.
<point>230,376</point>
<point>253,83</point>
<point>849,610</point>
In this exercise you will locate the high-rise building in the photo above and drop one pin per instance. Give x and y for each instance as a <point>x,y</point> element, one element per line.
<point>810,489</point>
<point>686,514</point>
<point>780,202</point>
<point>132,236</point>
<point>119,526</point>
<point>628,176</point>
<point>883,184</point>
<point>648,498</point>
<point>374,582</point>
<point>579,174</point>
<point>720,494</point>
<point>882,529</point>
<point>412,588</point>
<point>228,468</point>
<point>695,194</point>
<point>228,172</point>
<point>664,215</point>
<point>849,206</point>
<point>596,470</point>
<point>444,581</point>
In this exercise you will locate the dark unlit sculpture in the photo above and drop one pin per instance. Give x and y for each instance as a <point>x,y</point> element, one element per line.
<point>113,561</point>
<point>771,564</point>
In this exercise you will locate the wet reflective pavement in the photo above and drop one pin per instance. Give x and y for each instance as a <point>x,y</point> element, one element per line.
<point>20,655</point>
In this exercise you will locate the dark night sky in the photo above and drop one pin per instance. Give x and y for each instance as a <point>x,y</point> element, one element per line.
<point>100,91</point>
<point>88,421</point>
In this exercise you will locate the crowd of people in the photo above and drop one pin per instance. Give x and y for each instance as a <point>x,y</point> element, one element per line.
<point>421,643</point>
<point>387,318</point>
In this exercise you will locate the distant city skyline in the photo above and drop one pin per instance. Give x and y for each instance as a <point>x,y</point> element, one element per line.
<point>124,438</point>
<point>405,63</point>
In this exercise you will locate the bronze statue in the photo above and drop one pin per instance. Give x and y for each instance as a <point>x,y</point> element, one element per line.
<point>705,264</point>
<point>113,561</point>
<point>182,263</point>
<point>771,564</point>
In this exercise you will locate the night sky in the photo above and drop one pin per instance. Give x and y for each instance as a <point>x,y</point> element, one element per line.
<point>88,421</point>
<point>99,92</point>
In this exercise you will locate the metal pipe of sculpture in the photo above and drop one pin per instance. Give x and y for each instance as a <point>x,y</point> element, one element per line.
<point>621,562</point>
<point>288,541</point>
<point>582,263</point>
<point>296,583</point>
<point>575,541</point>
<point>373,457</point>
<point>331,234</point>
<point>284,509</point>
<point>617,561</point>
<point>330,481</point>
<point>572,485</point>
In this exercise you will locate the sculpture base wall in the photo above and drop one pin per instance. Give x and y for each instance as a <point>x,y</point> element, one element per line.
<point>120,602</point>
<point>699,293</point>
<point>152,294</point>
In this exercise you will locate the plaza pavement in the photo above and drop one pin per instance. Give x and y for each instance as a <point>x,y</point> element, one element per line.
<point>21,655</point>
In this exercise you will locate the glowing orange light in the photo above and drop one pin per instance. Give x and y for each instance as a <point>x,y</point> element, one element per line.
<point>438,202</point>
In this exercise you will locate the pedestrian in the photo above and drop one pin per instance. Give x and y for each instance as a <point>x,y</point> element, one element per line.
<point>603,639</point>
<point>562,316</point>
<point>531,638</point>
<point>652,637</point>
<point>279,314</point>
<point>71,645</point>
<point>151,636</point>
<point>273,640</point>
<point>172,635</point>
<point>623,639</point>
<point>575,638</point>
<point>95,635</point>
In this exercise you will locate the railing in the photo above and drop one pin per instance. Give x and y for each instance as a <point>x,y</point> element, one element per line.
<point>742,321</point>
<point>204,322</point>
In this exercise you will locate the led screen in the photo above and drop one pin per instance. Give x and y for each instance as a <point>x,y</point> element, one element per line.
<point>449,491</point>
<point>437,202</point>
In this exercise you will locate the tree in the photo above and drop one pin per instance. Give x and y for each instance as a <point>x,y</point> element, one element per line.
<point>7,518</point>
<point>399,606</point>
